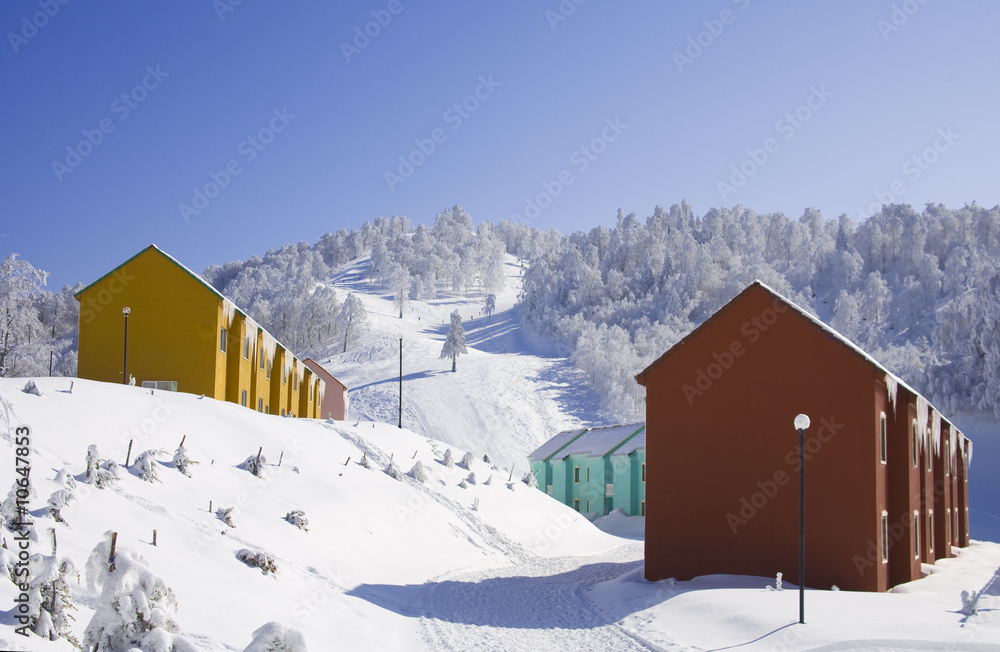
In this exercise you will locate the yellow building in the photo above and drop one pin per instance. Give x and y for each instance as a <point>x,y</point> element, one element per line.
<point>181,334</point>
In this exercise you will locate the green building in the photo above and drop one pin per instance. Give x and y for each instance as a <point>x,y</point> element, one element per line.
<point>595,470</point>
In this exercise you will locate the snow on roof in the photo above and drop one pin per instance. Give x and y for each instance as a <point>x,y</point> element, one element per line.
<point>553,445</point>
<point>596,442</point>
<point>891,378</point>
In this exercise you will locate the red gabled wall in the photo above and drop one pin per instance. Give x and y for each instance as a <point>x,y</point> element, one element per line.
<point>722,453</point>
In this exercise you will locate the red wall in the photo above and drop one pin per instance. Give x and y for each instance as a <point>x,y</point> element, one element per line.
<point>722,453</point>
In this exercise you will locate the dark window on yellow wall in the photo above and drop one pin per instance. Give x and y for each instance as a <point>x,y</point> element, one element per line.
<point>260,405</point>
<point>243,399</point>
<point>222,340</point>
<point>246,347</point>
<point>295,382</point>
<point>269,370</point>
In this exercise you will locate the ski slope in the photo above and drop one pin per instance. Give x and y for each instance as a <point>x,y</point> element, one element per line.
<point>511,392</point>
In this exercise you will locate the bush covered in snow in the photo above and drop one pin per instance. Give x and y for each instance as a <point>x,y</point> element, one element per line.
<point>471,479</point>
<point>486,458</point>
<point>258,559</point>
<point>364,461</point>
<point>182,462</point>
<point>134,608</point>
<point>225,514</point>
<point>59,499</point>
<point>31,388</point>
<point>277,637</point>
<point>297,517</point>
<point>100,473</point>
<point>448,460</point>
<point>467,461</point>
<point>15,519</point>
<point>418,472</point>
<point>393,471</point>
<point>50,597</point>
<point>254,464</point>
<point>145,465</point>
<point>530,479</point>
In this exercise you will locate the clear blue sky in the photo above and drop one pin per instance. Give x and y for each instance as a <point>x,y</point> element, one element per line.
<point>873,83</point>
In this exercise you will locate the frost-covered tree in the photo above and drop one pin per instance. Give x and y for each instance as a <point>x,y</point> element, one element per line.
<point>145,465</point>
<point>352,321</point>
<point>490,305</point>
<point>448,459</point>
<point>134,607</point>
<point>20,286</point>
<point>467,461</point>
<point>418,472</point>
<point>454,343</point>
<point>50,597</point>
<point>277,637</point>
<point>182,462</point>
<point>297,517</point>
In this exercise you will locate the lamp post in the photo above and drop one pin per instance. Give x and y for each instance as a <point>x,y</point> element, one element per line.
<point>802,424</point>
<point>125,311</point>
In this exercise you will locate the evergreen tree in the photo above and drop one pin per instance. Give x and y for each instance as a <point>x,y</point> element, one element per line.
<point>454,344</point>
<point>490,306</point>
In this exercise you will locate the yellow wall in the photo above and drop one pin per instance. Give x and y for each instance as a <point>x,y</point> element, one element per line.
<point>172,328</point>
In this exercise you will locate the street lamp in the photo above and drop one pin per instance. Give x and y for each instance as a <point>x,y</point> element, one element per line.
<point>401,382</point>
<point>125,311</point>
<point>802,424</point>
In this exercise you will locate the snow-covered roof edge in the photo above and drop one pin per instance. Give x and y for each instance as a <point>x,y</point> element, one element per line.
<point>228,307</point>
<point>890,377</point>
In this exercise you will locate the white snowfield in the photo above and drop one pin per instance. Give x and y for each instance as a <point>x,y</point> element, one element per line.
<point>455,563</point>
<point>365,556</point>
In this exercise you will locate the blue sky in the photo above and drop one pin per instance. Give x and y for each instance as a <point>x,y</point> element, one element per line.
<point>118,113</point>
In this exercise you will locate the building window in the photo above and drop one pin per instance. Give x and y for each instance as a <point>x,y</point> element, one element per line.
<point>588,506</point>
<point>883,438</point>
<point>548,489</point>
<point>576,475</point>
<point>947,526</point>
<point>243,399</point>
<point>282,411</point>
<point>885,537</point>
<point>295,382</point>
<point>246,347</point>
<point>609,490</point>
<point>916,534</point>
<point>268,370</point>
<point>284,374</point>
<point>643,471</point>
<point>916,445</point>
<point>163,385</point>
<point>310,392</point>
<point>954,527</point>
<point>260,405</point>
<point>267,409</point>
<point>642,508</point>
<point>576,504</point>
<point>588,477</point>
<point>262,362</point>
<point>222,340</point>
<point>930,531</point>
<point>947,461</point>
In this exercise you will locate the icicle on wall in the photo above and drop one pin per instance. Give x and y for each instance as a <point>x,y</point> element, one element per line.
<point>953,437</point>
<point>228,312</point>
<point>922,409</point>
<point>252,329</point>
<point>936,431</point>
<point>269,344</point>
<point>892,387</point>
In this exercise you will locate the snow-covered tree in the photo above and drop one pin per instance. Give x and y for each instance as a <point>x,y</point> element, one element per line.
<point>448,459</point>
<point>490,305</point>
<point>297,517</point>
<point>352,321</point>
<point>134,607</point>
<point>182,462</point>
<point>20,285</point>
<point>145,465</point>
<point>418,472</point>
<point>454,343</point>
<point>467,461</point>
<point>277,637</point>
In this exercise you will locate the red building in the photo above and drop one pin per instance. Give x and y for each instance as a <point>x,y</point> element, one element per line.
<point>886,474</point>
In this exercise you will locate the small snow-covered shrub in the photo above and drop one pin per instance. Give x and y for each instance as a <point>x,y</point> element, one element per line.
<point>182,462</point>
<point>364,461</point>
<point>145,465</point>
<point>471,479</point>
<point>15,518</point>
<point>59,499</point>
<point>530,479</point>
<point>31,388</point>
<point>100,473</point>
<point>418,472</point>
<point>255,465</point>
<point>51,618</point>
<point>486,458</point>
<point>393,471</point>
<point>467,461</point>
<point>135,607</point>
<point>970,606</point>
<point>225,514</point>
<point>258,559</point>
<point>448,459</point>
<point>298,518</point>
<point>66,479</point>
<point>277,637</point>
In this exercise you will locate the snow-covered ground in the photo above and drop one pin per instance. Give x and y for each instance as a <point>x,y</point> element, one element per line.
<point>469,559</point>
<point>510,393</point>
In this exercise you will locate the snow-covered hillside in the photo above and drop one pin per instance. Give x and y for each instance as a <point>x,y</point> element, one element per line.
<point>510,393</point>
<point>465,560</point>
